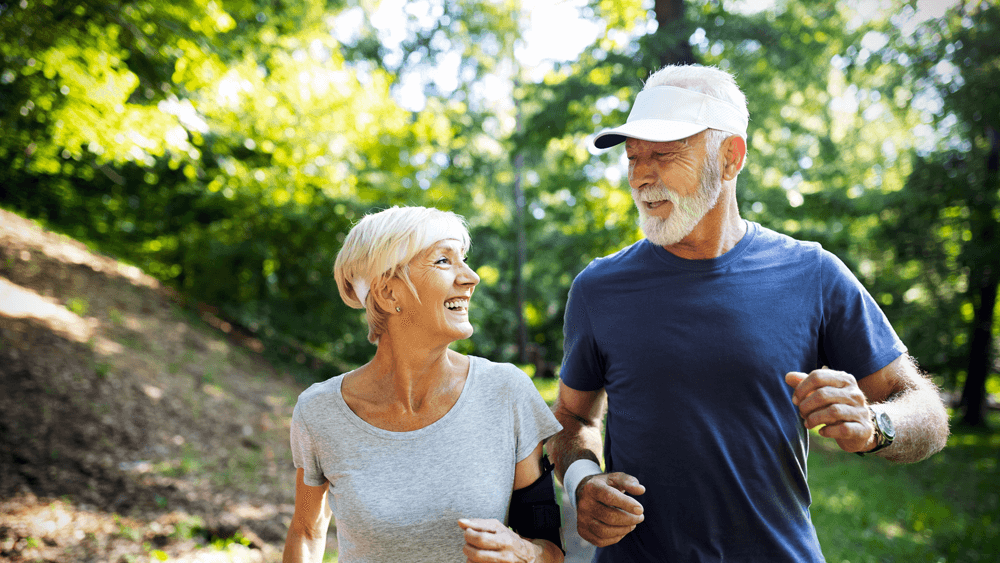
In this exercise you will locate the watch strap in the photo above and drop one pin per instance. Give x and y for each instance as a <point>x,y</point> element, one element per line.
<point>882,439</point>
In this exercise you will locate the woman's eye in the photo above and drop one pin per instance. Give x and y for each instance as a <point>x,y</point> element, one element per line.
<point>442,260</point>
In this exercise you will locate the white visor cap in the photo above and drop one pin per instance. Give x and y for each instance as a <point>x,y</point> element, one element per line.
<point>669,113</point>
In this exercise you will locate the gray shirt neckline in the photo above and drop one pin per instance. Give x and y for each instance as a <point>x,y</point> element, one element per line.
<point>442,422</point>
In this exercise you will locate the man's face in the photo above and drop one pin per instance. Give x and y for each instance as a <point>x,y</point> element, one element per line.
<point>674,185</point>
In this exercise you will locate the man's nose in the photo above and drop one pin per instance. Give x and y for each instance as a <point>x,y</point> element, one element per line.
<point>640,173</point>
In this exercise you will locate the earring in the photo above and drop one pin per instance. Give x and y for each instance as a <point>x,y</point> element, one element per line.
<point>398,309</point>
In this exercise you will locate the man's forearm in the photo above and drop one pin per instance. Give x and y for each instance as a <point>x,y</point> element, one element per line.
<point>579,439</point>
<point>920,420</point>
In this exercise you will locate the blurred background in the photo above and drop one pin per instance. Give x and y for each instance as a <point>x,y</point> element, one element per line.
<point>177,177</point>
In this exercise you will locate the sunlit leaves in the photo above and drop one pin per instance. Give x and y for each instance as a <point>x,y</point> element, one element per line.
<point>227,146</point>
<point>622,15</point>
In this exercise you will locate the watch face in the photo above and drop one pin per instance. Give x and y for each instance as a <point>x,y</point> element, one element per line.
<point>885,424</point>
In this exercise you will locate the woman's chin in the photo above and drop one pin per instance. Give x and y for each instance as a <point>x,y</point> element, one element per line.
<point>465,334</point>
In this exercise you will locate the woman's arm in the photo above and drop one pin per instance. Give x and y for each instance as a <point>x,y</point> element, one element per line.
<point>306,539</point>
<point>488,540</point>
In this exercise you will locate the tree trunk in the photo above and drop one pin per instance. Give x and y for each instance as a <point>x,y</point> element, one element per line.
<point>985,282</point>
<point>974,393</point>
<point>522,259</point>
<point>672,33</point>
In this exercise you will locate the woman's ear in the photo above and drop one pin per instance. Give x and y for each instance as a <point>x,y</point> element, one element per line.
<point>386,295</point>
<point>734,151</point>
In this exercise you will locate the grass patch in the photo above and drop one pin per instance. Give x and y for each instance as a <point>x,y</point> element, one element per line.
<point>944,509</point>
<point>548,387</point>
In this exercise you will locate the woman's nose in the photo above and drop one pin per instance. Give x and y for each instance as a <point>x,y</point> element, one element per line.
<point>468,276</point>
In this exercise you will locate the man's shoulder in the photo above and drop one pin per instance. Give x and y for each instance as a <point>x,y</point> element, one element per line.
<point>630,256</point>
<point>770,237</point>
<point>775,245</point>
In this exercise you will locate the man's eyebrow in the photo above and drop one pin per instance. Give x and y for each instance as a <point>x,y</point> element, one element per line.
<point>660,147</point>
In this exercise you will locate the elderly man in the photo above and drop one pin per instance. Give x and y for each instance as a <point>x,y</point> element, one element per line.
<point>713,345</point>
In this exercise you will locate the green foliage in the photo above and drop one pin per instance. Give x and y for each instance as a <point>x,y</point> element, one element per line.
<point>227,147</point>
<point>939,232</point>
<point>232,165</point>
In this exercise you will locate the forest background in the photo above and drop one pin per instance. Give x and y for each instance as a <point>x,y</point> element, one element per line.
<point>227,147</point>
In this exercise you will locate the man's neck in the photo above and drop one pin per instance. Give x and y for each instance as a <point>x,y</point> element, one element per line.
<point>718,232</point>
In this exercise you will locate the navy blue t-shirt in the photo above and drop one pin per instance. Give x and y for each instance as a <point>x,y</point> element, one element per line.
<point>693,356</point>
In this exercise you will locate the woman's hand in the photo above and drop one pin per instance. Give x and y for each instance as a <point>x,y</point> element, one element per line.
<point>489,541</point>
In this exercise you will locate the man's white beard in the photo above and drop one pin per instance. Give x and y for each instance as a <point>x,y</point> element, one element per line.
<point>687,211</point>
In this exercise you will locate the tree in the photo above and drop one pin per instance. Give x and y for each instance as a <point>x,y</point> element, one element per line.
<point>672,32</point>
<point>227,148</point>
<point>947,219</point>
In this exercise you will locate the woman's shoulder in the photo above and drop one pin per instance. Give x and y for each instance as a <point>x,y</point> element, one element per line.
<point>319,394</point>
<point>501,375</point>
<point>497,369</point>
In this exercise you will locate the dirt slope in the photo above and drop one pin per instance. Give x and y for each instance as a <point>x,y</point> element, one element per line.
<point>130,430</point>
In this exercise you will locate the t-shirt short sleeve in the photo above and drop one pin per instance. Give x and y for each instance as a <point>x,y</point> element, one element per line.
<point>582,367</point>
<point>857,337</point>
<point>303,451</point>
<point>533,420</point>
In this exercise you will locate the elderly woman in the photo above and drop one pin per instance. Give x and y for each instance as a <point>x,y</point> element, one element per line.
<point>422,454</point>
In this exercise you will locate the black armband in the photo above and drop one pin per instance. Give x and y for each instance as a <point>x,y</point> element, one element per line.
<point>534,513</point>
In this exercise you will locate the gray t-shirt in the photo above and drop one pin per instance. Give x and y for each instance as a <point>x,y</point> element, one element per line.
<point>397,496</point>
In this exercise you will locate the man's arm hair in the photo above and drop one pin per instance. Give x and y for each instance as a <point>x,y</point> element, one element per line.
<point>914,404</point>
<point>581,414</point>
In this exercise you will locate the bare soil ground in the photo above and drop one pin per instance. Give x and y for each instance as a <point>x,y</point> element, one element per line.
<point>131,430</point>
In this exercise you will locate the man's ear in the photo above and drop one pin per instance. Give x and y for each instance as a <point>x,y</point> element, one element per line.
<point>734,151</point>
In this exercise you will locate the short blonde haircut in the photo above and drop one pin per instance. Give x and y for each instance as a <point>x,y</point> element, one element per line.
<point>379,248</point>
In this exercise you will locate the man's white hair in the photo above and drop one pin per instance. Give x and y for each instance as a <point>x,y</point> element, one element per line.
<point>707,80</point>
<point>699,78</point>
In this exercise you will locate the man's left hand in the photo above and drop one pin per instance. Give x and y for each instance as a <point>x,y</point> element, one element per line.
<point>833,400</point>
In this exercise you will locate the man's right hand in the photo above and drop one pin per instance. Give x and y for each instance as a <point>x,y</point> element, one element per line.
<point>605,512</point>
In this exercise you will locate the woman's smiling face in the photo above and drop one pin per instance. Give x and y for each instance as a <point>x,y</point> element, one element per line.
<point>444,284</point>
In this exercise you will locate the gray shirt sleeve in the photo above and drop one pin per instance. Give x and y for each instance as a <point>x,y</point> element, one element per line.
<point>303,451</point>
<point>533,419</point>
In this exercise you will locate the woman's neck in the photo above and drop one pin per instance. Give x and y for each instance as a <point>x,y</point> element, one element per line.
<point>405,390</point>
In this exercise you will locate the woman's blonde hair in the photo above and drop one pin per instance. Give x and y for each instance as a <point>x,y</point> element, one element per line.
<point>379,248</point>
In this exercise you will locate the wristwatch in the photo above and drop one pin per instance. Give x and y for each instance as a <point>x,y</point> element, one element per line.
<point>885,432</point>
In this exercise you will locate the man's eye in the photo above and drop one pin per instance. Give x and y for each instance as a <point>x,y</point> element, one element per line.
<point>442,260</point>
